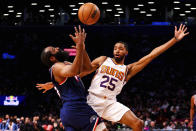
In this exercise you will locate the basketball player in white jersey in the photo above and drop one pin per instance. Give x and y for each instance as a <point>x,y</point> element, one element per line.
<point>112,75</point>
<point>192,113</point>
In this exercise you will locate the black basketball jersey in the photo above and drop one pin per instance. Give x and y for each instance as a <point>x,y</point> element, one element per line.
<point>70,89</point>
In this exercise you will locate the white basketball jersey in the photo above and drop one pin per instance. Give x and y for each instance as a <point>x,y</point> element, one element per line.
<point>108,80</point>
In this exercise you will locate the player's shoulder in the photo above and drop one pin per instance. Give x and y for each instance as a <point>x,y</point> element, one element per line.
<point>193,96</point>
<point>129,66</point>
<point>103,58</point>
<point>100,59</point>
<point>60,65</point>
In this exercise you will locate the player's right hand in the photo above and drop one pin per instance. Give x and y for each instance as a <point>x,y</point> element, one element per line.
<point>46,86</point>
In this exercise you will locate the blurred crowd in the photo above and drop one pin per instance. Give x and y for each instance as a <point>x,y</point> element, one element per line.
<point>35,123</point>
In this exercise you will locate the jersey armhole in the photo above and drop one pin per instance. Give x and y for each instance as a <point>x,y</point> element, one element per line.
<point>101,64</point>
<point>126,73</point>
<point>52,77</point>
<point>104,60</point>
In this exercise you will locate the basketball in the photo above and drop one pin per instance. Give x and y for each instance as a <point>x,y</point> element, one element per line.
<point>88,13</point>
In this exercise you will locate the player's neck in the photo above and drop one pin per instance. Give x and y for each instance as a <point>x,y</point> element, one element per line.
<point>118,62</point>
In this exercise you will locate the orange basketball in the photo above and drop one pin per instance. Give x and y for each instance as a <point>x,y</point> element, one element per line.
<point>88,13</point>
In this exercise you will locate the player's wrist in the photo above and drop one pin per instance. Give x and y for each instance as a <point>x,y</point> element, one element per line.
<point>80,47</point>
<point>176,39</point>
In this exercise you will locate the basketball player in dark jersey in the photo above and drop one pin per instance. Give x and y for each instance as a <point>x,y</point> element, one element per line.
<point>75,114</point>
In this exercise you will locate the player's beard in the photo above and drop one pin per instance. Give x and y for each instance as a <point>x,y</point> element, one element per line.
<point>62,55</point>
<point>119,59</point>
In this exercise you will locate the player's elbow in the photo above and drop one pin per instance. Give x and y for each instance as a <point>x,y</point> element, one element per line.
<point>71,73</point>
<point>77,72</point>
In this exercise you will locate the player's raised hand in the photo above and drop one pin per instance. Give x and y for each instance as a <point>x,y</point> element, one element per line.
<point>47,86</point>
<point>181,32</point>
<point>80,35</point>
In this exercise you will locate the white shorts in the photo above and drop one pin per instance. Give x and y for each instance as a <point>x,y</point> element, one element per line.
<point>110,110</point>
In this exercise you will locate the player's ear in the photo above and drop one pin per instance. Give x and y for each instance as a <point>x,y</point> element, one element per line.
<point>52,58</point>
<point>126,54</point>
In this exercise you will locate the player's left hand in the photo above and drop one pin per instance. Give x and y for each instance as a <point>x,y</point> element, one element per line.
<point>47,86</point>
<point>180,33</point>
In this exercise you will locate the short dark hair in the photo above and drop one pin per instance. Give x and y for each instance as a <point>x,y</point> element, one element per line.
<point>125,44</point>
<point>45,58</point>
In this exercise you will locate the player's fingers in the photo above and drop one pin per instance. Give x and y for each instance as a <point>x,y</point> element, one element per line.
<point>83,30</point>
<point>39,88</point>
<point>38,85</point>
<point>80,31</point>
<point>175,28</point>
<point>186,33</point>
<point>76,30</point>
<point>180,27</point>
<point>73,46</point>
<point>85,35</point>
<point>183,27</point>
<point>71,36</point>
<point>44,91</point>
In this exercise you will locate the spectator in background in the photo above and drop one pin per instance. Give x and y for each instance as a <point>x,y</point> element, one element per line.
<point>28,125</point>
<point>36,123</point>
<point>152,125</point>
<point>4,126</point>
<point>166,126</point>
<point>18,123</point>
<point>12,126</point>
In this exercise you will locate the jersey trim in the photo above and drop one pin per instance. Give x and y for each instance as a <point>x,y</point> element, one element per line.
<point>104,60</point>
<point>98,68</point>
<point>51,74</point>
<point>63,81</point>
<point>96,122</point>
<point>115,62</point>
<point>126,73</point>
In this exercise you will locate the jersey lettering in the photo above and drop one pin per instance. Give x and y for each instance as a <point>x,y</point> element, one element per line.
<point>108,81</point>
<point>111,71</point>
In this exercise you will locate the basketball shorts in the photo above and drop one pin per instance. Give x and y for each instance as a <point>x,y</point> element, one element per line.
<point>110,110</point>
<point>79,116</point>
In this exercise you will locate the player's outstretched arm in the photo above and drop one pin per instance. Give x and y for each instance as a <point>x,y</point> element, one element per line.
<point>45,87</point>
<point>136,67</point>
<point>69,70</point>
